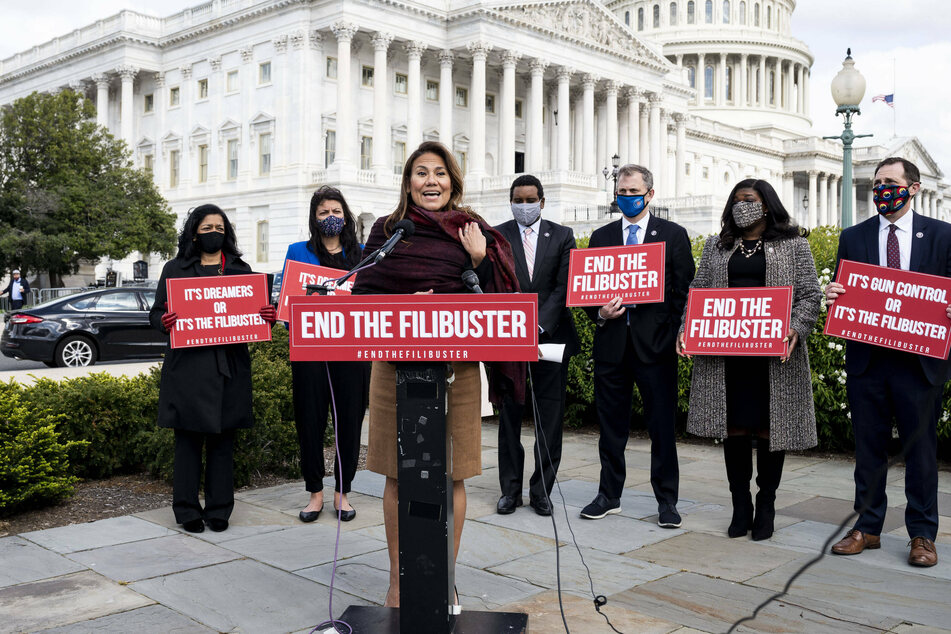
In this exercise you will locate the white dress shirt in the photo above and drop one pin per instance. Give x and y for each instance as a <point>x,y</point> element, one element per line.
<point>641,228</point>
<point>533,238</point>
<point>903,233</point>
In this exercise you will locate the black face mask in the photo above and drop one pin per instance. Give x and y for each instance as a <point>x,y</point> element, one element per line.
<point>211,242</point>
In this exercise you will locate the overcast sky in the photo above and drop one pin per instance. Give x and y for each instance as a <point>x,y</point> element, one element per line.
<point>900,46</point>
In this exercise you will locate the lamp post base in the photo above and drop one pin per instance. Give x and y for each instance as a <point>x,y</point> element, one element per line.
<point>378,620</point>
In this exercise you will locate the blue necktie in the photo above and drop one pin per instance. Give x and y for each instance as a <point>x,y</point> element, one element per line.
<point>631,234</point>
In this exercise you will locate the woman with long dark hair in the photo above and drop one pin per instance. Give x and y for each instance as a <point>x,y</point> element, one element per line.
<point>766,398</point>
<point>333,243</point>
<point>205,392</point>
<point>449,238</point>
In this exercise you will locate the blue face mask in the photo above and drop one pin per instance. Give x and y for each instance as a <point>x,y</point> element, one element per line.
<point>631,206</point>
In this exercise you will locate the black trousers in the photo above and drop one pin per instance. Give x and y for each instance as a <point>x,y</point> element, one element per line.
<point>894,388</point>
<point>16,304</point>
<point>549,381</point>
<point>219,475</point>
<point>313,402</point>
<point>613,390</point>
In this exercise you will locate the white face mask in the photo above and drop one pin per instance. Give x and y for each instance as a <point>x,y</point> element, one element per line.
<point>747,213</point>
<point>527,213</point>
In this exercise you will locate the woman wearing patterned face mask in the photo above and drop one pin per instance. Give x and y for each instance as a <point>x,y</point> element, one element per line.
<point>767,398</point>
<point>333,243</point>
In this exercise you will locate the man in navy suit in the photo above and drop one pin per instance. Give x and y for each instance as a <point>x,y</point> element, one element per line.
<point>885,385</point>
<point>541,250</point>
<point>635,345</point>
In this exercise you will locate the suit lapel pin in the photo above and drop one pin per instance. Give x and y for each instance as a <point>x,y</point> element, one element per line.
<point>547,234</point>
<point>654,232</point>
<point>919,235</point>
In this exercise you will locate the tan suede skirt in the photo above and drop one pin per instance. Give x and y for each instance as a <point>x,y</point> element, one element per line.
<point>464,420</point>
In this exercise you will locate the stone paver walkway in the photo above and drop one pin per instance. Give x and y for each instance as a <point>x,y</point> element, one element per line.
<point>271,573</point>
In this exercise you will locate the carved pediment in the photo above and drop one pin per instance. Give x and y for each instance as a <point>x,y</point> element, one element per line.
<point>580,20</point>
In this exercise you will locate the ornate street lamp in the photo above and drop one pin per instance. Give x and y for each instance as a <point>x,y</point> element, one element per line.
<point>611,174</point>
<point>848,88</point>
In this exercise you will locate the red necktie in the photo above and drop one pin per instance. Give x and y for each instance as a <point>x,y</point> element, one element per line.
<point>892,253</point>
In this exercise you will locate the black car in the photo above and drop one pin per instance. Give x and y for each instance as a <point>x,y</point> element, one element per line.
<point>80,329</point>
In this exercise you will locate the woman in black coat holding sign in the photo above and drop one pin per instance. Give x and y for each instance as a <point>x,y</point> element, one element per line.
<point>333,243</point>
<point>739,398</point>
<point>205,392</point>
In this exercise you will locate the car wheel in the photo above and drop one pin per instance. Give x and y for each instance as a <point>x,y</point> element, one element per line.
<point>75,352</point>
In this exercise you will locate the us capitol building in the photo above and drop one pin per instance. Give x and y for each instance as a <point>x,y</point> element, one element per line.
<point>252,104</point>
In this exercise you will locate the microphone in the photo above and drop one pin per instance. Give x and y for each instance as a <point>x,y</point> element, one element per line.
<point>471,280</point>
<point>405,228</point>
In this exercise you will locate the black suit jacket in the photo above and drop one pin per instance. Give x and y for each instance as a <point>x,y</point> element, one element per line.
<point>550,279</point>
<point>930,253</point>
<point>24,286</point>
<point>653,327</point>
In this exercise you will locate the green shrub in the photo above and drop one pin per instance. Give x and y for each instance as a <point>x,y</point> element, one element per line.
<point>34,463</point>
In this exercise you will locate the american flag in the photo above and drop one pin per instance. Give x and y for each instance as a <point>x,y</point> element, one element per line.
<point>889,100</point>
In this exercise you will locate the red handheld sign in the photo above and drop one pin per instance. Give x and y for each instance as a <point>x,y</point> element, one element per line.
<point>635,273</point>
<point>297,275</point>
<point>218,309</point>
<point>738,321</point>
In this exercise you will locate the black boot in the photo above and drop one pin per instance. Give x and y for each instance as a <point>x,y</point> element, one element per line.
<point>738,455</point>
<point>769,471</point>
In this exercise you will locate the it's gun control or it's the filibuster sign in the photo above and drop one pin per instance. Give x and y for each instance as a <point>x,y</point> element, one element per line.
<point>738,321</point>
<point>634,273</point>
<point>217,309</point>
<point>469,327</point>
<point>892,308</point>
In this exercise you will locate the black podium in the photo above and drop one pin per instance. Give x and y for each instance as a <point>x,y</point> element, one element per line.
<point>426,521</point>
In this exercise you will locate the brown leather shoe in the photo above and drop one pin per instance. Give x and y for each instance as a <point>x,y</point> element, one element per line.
<point>856,541</point>
<point>923,553</point>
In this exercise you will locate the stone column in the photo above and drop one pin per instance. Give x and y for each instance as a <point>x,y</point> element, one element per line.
<point>161,107</point>
<point>587,152</point>
<point>798,78</point>
<point>381,159</point>
<point>680,181</point>
<point>761,90</point>
<point>600,121</point>
<point>823,212</point>
<point>812,219</point>
<point>187,99</point>
<point>777,84</point>
<point>700,76</point>
<point>507,114</point>
<point>664,168</point>
<point>739,95</point>
<point>610,111</point>
<point>578,133</point>
<point>805,96</point>
<point>869,201</point>
<point>644,133</point>
<point>127,74</point>
<point>344,153</point>
<point>537,139</point>
<point>479,52</point>
<point>414,94</point>
<point>720,92</point>
<point>564,119</point>
<point>624,149</point>
<point>102,99</point>
<point>788,192</point>
<point>446,97</point>
<point>313,76</point>
<point>633,126</point>
<point>834,216</point>
<point>933,201</point>
<point>655,101</point>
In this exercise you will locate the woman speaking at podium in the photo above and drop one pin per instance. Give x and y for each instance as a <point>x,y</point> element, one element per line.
<point>333,242</point>
<point>449,238</point>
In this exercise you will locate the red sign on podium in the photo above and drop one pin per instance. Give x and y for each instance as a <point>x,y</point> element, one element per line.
<point>892,308</point>
<point>635,273</point>
<point>749,322</point>
<point>218,309</point>
<point>297,275</point>
<point>469,327</point>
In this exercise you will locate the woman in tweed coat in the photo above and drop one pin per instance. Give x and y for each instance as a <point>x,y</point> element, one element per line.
<point>765,397</point>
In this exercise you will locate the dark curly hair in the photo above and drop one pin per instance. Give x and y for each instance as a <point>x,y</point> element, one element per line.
<point>348,237</point>
<point>188,247</point>
<point>779,224</point>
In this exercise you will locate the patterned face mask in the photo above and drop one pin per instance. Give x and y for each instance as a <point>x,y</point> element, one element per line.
<point>631,206</point>
<point>889,198</point>
<point>330,226</point>
<point>747,213</point>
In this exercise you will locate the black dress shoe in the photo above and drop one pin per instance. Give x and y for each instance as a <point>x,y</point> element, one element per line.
<point>194,526</point>
<point>541,505</point>
<point>507,504</point>
<point>601,507</point>
<point>309,516</point>
<point>217,524</point>
<point>346,516</point>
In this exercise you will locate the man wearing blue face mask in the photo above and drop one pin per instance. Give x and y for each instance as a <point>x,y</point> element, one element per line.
<point>885,385</point>
<point>635,345</point>
<point>541,250</point>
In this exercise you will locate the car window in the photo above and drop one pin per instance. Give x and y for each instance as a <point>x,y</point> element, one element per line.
<point>149,297</point>
<point>118,301</point>
<point>84,303</point>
